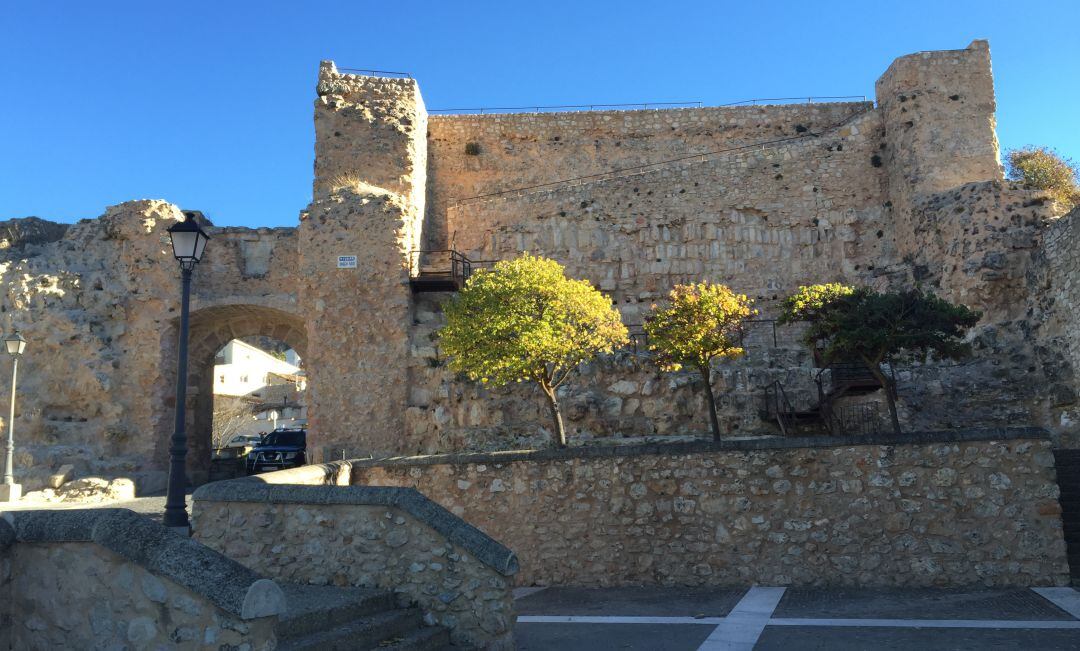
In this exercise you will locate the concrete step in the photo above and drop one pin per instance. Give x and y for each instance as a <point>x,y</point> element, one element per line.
<point>429,638</point>
<point>359,635</point>
<point>314,608</point>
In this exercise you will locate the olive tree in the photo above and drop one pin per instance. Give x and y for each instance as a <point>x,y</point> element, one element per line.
<point>1044,169</point>
<point>876,328</point>
<point>525,321</point>
<point>700,323</point>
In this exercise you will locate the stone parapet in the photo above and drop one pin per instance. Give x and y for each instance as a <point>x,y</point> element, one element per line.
<point>932,509</point>
<point>101,577</point>
<point>390,538</point>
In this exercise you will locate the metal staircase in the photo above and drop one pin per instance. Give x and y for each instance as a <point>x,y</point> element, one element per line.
<point>835,381</point>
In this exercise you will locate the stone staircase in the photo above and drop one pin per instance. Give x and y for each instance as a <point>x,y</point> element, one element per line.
<point>1068,474</point>
<point>329,618</point>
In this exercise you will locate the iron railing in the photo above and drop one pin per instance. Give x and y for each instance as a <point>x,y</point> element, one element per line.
<point>556,108</point>
<point>369,72</point>
<point>440,264</point>
<point>778,406</point>
<point>859,419</point>
<point>793,100</point>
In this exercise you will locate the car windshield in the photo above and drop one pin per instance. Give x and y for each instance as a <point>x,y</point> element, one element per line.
<point>289,437</point>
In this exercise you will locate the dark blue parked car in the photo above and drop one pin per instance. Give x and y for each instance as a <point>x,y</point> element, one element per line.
<point>282,448</point>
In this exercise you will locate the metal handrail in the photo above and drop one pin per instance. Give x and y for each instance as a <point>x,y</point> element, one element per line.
<point>809,100</point>
<point>777,404</point>
<point>487,110</point>
<point>377,73</point>
<point>461,267</point>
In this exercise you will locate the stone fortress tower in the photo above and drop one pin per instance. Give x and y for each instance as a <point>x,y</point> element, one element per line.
<point>763,198</point>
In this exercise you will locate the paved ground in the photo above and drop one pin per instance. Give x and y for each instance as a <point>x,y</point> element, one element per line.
<point>152,506</point>
<point>680,619</point>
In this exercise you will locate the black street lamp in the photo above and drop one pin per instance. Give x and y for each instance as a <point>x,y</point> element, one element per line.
<point>15,345</point>
<point>188,242</point>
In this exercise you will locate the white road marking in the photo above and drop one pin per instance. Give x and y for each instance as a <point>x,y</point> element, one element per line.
<point>795,621</point>
<point>1067,599</point>
<point>740,630</point>
<point>521,593</point>
<point>613,619</point>
<point>926,623</point>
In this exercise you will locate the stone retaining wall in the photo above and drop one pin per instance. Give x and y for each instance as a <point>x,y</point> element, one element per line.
<point>373,537</point>
<point>958,508</point>
<point>108,578</point>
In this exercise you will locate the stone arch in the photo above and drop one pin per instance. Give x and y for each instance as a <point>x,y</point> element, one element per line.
<point>210,329</point>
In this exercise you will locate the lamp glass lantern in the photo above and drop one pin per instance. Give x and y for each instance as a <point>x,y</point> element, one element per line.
<point>15,344</point>
<point>188,241</point>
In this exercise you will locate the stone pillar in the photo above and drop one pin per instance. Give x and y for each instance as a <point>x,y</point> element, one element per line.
<point>370,163</point>
<point>357,321</point>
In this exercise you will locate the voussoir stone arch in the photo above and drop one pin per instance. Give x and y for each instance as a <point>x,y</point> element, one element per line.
<point>210,328</point>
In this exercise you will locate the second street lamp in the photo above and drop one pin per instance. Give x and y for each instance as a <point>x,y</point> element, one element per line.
<point>10,491</point>
<point>188,242</point>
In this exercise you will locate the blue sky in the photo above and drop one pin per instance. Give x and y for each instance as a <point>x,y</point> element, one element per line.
<point>209,104</point>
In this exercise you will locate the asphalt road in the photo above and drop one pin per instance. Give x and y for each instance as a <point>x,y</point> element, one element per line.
<point>769,618</point>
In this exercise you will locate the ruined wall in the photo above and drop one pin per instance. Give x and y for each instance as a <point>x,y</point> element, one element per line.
<point>938,111</point>
<point>471,155</point>
<point>908,192</point>
<point>961,510</point>
<point>98,303</point>
<point>1059,336</point>
<point>372,130</point>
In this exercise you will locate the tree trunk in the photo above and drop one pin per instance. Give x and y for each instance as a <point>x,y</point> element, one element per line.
<point>556,415</point>
<point>712,404</point>
<point>890,394</point>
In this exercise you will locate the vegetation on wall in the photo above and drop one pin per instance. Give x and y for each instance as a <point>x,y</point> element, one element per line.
<point>525,321</point>
<point>879,328</point>
<point>1044,169</point>
<point>701,323</point>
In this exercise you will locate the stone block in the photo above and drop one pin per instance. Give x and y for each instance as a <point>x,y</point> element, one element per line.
<point>10,492</point>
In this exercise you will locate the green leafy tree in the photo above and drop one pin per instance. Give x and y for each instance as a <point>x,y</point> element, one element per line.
<point>700,323</point>
<point>876,328</point>
<point>1044,169</point>
<point>525,321</point>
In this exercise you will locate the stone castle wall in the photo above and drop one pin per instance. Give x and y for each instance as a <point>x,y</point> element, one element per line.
<point>763,221</point>
<point>902,193</point>
<point>471,155</point>
<point>955,510</point>
<point>98,304</point>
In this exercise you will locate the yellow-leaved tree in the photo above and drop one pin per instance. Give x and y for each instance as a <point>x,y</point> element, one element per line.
<point>525,321</point>
<point>700,323</point>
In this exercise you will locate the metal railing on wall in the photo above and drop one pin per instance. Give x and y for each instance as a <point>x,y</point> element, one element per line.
<point>377,73</point>
<point>632,106</point>
<point>557,108</point>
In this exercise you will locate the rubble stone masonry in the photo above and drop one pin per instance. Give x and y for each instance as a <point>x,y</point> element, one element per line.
<point>979,509</point>
<point>902,192</point>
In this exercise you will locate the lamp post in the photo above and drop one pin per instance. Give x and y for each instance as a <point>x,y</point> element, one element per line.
<point>188,242</point>
<point>11,492</point>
